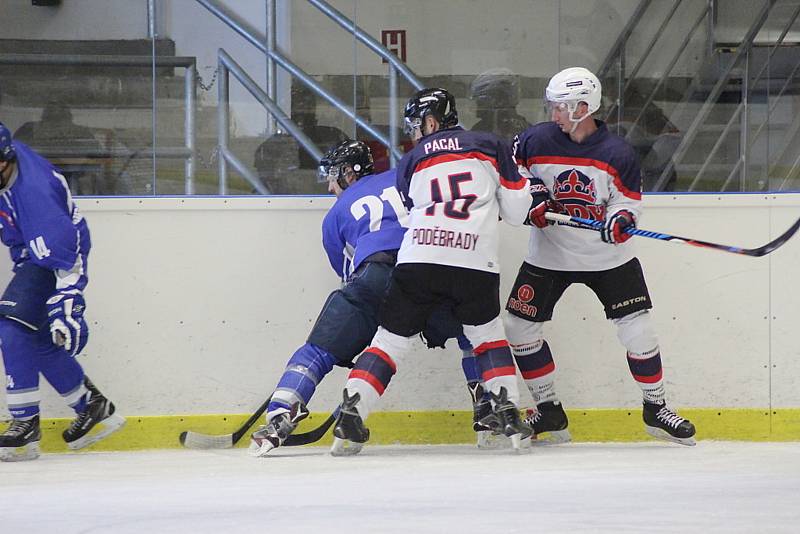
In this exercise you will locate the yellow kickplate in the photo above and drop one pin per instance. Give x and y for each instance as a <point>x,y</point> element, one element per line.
<point>445,427</point>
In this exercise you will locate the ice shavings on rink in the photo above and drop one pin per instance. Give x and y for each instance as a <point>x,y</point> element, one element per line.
<point>641,487</point>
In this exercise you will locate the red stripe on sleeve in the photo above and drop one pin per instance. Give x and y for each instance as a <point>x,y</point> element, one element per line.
<point>516,186</point>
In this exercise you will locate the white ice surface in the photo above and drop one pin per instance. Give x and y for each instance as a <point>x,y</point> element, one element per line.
<point>641,487</point>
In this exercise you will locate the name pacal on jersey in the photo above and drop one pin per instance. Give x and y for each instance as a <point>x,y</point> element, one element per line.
<point>444,238</point>
<point>446,143</point>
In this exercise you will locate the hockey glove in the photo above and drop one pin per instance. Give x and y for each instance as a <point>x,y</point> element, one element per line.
<point>615,226</point>
<point>67,325</point>
<point>536,215</point>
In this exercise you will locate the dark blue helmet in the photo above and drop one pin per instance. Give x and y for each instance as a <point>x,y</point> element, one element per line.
<point>435,102</point>
<point>6,148</point>
<point>354,154</point>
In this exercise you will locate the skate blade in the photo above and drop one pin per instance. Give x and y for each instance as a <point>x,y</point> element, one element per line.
<point>260,450</point>
<point>520,444</point>
<point>102,430</point>
<point>491,441</point>
<point>344,447</point>
<point>553,437</point>
<point>663,435</point>
<point>20,454</point>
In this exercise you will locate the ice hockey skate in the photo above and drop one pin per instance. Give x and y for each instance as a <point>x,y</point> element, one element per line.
<point>20,441</point>
<point>662,423</point>
<point>484,421</point>
<point>97,422</point>
<point>509,422</point>
<point>548,418</point>
<point>350,434</point>
<point>273,434</point>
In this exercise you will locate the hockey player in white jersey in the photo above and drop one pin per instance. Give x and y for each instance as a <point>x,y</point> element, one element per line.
<point>594,174</point>
<point>455,184</point>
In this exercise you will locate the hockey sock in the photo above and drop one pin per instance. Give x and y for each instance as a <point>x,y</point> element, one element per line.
<point>535,362</point>
<point>497,368</point>
<point>304,371</point>
<point>648,374</point>
<point>22,369</point>
<point>64,373</point>
<point>469,364</point>
<point>370,377</point>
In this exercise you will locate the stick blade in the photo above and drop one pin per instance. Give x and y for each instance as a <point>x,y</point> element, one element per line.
<point>783,238</point>
<point>196,440</point>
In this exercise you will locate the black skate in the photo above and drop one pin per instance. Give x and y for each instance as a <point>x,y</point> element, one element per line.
<point>484,421</point>
<point>483,418</point>
<point>273,434</point>
<point>20,441</point>
<point>349,434</point>
<point>550,418</point>
<point>508,419</point>
<point>662,423</point>
<point>98,416</point>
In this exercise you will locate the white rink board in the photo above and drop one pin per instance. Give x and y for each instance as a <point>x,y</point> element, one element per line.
<point>196,304</point>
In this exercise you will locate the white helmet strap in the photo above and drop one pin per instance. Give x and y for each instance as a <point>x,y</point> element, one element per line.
<point>572,107</point>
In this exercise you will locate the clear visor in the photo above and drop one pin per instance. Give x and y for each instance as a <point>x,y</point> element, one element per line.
<point>412,124</point>
<point>550,106</point>
<point>328,173</point>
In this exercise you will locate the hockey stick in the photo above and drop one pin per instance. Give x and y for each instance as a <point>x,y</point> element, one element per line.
<point>590,224</point>
<point>197,440</point>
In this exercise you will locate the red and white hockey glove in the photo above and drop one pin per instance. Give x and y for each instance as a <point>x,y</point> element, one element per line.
<point>539,197</point>
<point>536,215</point>
<point>615,226</point>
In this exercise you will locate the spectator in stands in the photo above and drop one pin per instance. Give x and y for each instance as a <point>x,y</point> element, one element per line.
<point>73,148</point>
<point>496,95</point>
<point>282,163</point>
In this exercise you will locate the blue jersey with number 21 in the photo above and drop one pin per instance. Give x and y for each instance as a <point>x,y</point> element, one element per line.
<point>368,217</point>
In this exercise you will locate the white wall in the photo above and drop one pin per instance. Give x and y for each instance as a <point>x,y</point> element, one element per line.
<point>196,304</point>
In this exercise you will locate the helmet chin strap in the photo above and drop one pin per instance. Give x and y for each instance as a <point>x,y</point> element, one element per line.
<point>575,122</point>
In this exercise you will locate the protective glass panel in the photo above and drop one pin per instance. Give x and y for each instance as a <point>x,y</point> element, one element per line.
<point>76,86</point>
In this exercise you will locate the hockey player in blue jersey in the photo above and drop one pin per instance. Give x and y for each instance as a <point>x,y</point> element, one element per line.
<point>361,234</point>
<point>42,327</point>
<point>456,184</point>
<point>594,174</point>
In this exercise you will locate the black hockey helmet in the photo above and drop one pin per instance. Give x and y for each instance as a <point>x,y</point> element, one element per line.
<point>495,88</point>
<point>354,154</point>
<point>435,102</point>
<point>7,152</point>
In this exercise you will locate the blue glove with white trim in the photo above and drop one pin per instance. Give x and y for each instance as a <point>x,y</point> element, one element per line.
<point>68,328</point>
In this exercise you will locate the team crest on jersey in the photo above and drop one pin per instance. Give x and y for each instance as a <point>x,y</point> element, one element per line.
<point>574,186</point>
<point>577,193</point>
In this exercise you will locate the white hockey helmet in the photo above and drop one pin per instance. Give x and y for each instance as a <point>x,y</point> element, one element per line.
<point>572,86</point>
